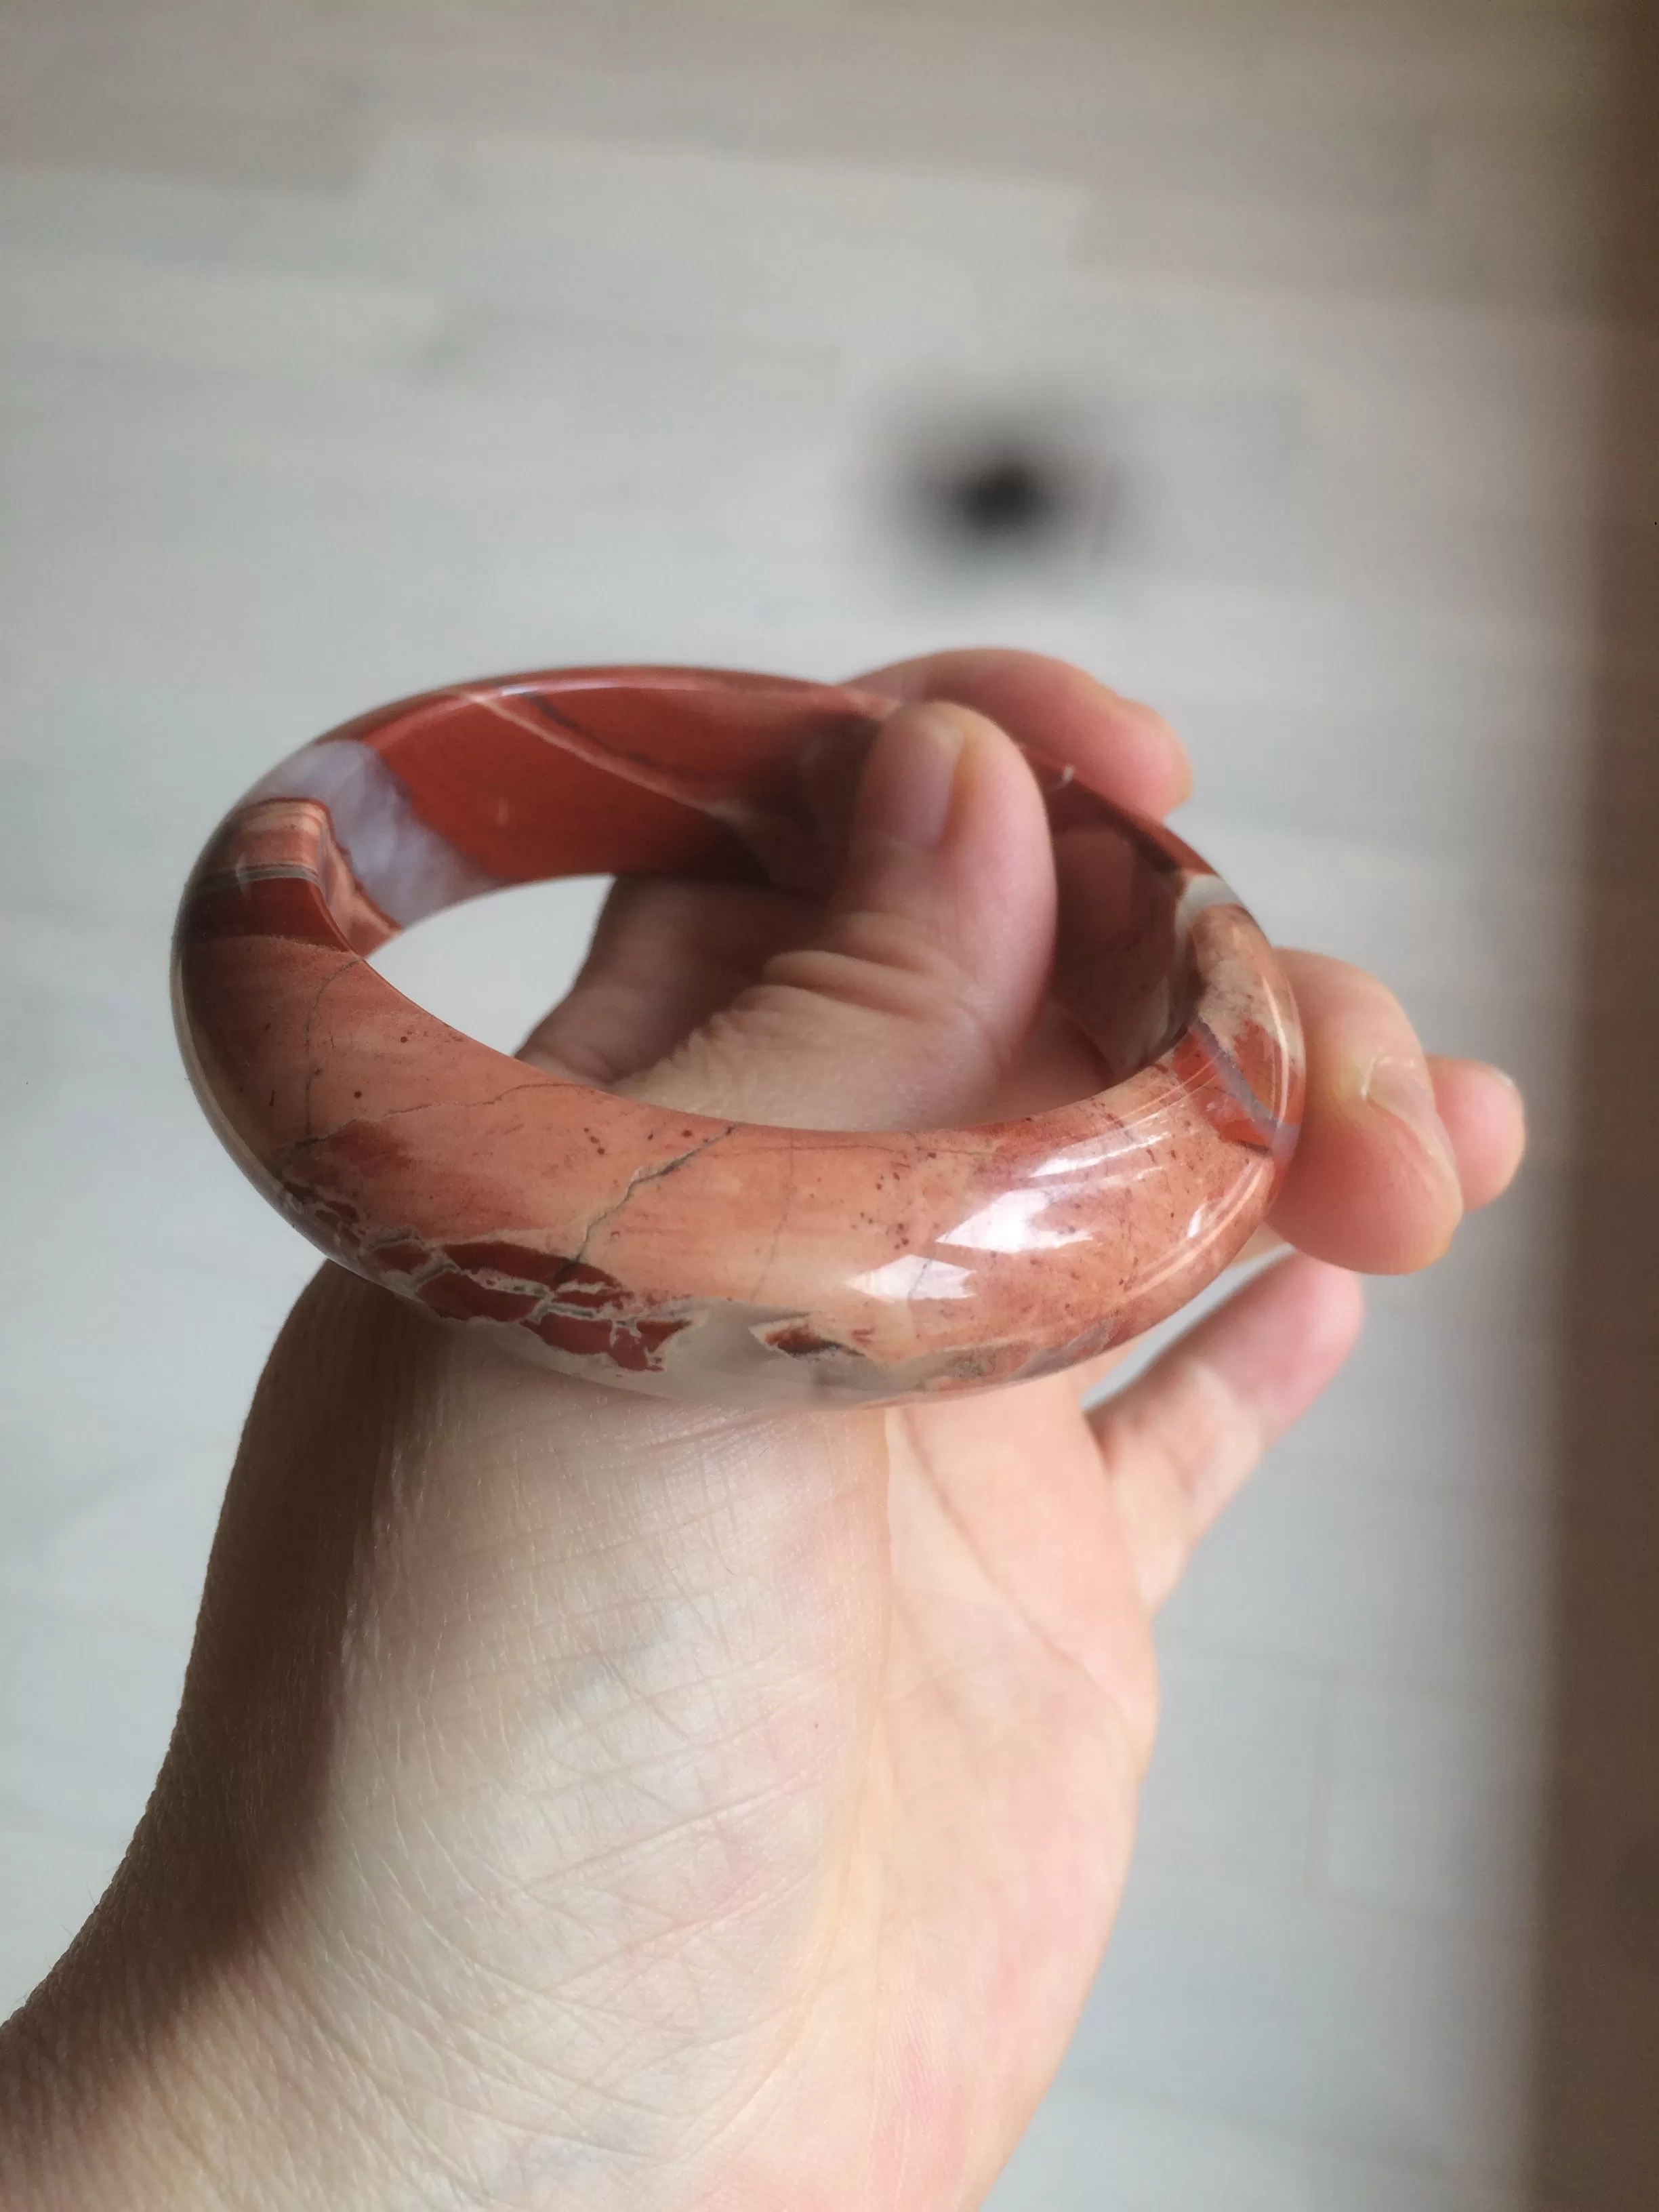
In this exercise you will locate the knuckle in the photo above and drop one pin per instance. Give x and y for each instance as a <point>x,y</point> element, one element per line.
<point>888,969</point>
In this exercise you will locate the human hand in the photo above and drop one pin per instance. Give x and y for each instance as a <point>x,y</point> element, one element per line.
<point>587,1801</point>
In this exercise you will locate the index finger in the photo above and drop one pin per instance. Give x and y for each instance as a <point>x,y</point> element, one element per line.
<point>1126,751</point>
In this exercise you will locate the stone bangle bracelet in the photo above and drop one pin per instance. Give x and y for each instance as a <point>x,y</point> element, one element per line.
<point>695,1257</point>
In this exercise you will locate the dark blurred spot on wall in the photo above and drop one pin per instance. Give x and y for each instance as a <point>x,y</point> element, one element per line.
<point>1029,486</point>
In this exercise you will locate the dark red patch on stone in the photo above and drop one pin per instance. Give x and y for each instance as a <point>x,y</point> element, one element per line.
<point>637,1347</point>
<point>654,1335</point>
<point>405,1259</point>
<point>458,1298</point>
<point>572,1333</point>
<point>800,1341</point>
<point>516,1262</point>
<point>590,1289</point>
<point>370,1148</point>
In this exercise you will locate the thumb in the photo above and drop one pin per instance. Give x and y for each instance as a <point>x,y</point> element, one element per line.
<point>916,991</point>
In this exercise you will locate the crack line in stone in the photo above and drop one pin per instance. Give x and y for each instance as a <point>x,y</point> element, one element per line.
<point>777,1231</point>
<point>648,1174</point>
<point>395,1113</point>
<point>312,1069</point>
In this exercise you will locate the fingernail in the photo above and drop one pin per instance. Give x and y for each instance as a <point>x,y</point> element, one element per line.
<point>905,795</point>
<point>1402,1087</point>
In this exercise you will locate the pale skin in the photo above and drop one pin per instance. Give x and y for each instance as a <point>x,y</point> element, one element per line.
<point>588,1801</point>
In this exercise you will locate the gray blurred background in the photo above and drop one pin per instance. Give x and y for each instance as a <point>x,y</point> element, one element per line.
<point>1291,364</point>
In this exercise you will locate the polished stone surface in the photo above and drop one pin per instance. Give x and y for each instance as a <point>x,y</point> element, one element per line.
<point>630,1243</point>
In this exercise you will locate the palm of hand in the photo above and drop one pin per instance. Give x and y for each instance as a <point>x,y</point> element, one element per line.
<point>1015,1717</point>
<point>844,1719</point>
<point>936,1666</point>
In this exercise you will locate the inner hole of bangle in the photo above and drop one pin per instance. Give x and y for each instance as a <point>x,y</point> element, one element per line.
<point>1120,974</point>
<point>493,967</point>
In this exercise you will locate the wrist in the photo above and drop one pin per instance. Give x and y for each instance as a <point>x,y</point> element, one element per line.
<point>144,2073</point>
<point>503,1836</point>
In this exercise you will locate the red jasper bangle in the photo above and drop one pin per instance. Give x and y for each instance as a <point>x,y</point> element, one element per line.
<point>696,1257</point>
